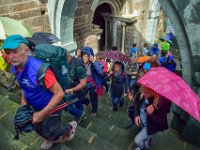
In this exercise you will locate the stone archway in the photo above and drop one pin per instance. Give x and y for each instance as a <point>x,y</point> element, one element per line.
<point>103,23</point>
<point>109,23</point>
<point>62,14</point>
<point>114,5</point>
<point>182,38</point>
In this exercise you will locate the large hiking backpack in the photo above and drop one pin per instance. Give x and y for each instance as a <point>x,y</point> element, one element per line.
<point>56,58</point>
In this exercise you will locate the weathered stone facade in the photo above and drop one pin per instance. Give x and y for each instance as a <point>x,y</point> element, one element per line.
<point>33,12</point>
<point>121,12</point>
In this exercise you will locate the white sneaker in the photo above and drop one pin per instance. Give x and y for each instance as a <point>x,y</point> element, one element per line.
<point>139,148</point>
<point>70,135</point>
<point>46,145</point>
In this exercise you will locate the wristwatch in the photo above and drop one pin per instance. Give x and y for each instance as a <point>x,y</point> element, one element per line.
<point>71,91</point>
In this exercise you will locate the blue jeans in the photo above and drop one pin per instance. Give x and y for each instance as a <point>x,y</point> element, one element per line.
<point>76,109</point>
<point>142,138</point>
<point>131,83</point>
<point>116,100</point>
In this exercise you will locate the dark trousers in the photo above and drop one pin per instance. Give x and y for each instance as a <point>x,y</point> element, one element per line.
<point>106,86</point>
<point>50,128</point>
<point>163,53</point>
<point>93,99</point>
<point>76,109</point>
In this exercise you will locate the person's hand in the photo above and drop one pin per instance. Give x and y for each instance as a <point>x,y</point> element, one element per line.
<point>38,117</point>
<point>92,59</point>
<point>137,121</point>
<point>23,103</point>
<point>130,96</point>
<point>67,91</point>
<point>150,109</point>
<point>134,73</point>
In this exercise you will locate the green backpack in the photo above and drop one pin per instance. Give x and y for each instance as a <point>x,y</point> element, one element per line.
<point>54,57</point>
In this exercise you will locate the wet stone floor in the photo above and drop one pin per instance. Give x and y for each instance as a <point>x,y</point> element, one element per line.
<point>105,132</point>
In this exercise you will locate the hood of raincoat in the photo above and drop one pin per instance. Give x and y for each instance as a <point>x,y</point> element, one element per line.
<point>155,46</point>
<point>87,50</point>
<point>170,57</point>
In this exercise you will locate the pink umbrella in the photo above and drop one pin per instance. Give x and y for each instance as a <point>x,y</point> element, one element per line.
<point>114,55</point>
<point>102,54</point>
<point>173,88</point>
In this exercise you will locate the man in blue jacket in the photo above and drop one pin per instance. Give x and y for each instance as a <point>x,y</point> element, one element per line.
<point>42,101</point>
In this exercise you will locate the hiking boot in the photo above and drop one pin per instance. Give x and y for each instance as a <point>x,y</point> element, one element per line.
<point>148,143</point>
<point>114,108</point>
<point>47,144</point>
<point>70,135</point>
<point>79,119</point>
<point>121,103</point>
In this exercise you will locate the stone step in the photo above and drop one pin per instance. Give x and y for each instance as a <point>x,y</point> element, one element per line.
<point>83,136</point>
<point>7,112</point>
<point>14,94</point>
<point>100,128</point>
<point>7,142</point>
<point>108,130</point>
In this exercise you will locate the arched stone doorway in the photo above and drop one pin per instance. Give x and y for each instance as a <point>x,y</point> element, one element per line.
<point>102,22</point>
<point>62,13</point>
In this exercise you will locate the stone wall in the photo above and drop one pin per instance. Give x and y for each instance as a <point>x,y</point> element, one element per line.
<point>82,23</point>
<point>33,12</point>
<point>136,32</point>
<point>185,18</point>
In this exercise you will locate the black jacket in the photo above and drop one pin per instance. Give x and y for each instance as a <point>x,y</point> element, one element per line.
<point>158,120</point>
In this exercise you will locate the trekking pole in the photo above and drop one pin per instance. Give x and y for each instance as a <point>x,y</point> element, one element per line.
<point>63,106</point>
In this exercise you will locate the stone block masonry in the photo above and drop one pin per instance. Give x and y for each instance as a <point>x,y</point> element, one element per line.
<point>33,12</point>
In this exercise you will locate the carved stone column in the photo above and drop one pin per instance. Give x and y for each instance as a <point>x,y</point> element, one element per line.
<point>123,36</point>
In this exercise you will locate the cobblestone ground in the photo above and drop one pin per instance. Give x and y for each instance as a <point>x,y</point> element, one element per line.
<point>105,132</point>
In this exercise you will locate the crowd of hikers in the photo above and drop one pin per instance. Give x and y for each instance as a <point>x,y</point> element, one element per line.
<point>47,82</point>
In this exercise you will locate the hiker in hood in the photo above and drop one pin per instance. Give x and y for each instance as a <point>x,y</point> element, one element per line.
<point>154,49</point>
<point>93,77</point>
<point>26,69</point>
<point>168,62</point>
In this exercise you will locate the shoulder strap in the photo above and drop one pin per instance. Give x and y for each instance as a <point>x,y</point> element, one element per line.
<point>76,63</point>
<point>41,73</point>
